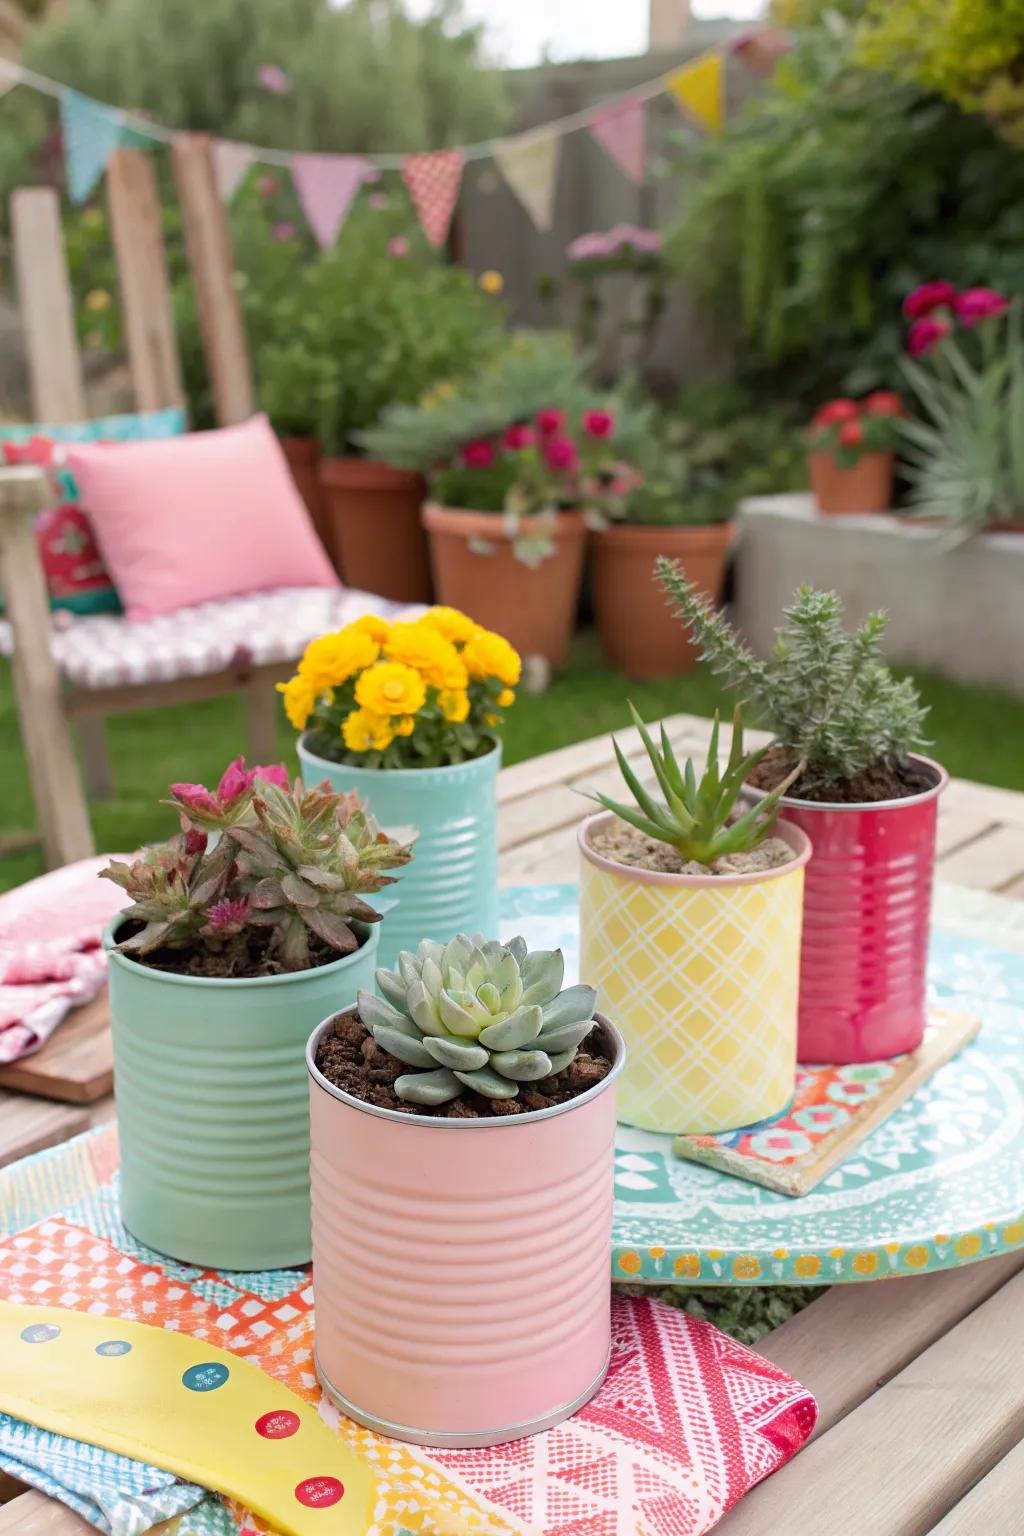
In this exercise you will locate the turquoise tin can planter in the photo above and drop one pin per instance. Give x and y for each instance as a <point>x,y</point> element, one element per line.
<point>213,1105</point>
<point>451,886</point>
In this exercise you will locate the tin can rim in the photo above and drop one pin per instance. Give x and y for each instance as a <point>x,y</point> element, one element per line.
<point>795,836</point>
<point>862,807</point>
<point>371,938</point>
<point>445,773</point>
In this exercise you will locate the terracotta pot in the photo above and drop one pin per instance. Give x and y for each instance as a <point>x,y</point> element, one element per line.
<point>640,635</point>
<point>476,570</point>
<point>373,513</point>
<point>448,1311</point>
<point>867,918</point>
<point>303,455</point>
<point>867,487</point>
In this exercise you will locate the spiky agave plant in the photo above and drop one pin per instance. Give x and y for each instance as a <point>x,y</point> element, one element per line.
<point>695,817</point>
<point>475,1013</point>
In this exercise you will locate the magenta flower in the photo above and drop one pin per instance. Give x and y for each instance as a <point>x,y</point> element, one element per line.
<point>976,304</point>
<point>561,454</point>
<point>478,454</point>
<point>195,841</point>
<point>227,916</point>
<point>197,798</point>
<point>273,773</point>
<point>398,246</point>
<point>550,422</point>
<point>284,230</point>
<point>236,781</point>
<point>590,247</point>
<point>599,424</point>
<point>645,240</point>
<point>927,298</point>
<point>924,335</point>
<point>519,435</point>
<point>273,79</point>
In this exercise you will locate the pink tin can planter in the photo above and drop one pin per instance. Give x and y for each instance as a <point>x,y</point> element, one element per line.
<point>461,1265</point>
<point>867,917</point>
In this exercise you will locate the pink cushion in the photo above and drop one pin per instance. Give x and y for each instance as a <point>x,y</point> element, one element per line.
<point>199,517</point>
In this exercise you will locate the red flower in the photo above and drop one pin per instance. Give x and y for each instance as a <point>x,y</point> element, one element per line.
<point>561,454</point>
<point>599,424</point>
<point>924,335</point>
<point>976,304</point>
<point>195,841</point>
<point>927,298</point>
<point>236,781</point>
<point>518,436</point>
<point>478,454</point>
<point>550,422</point>
<point>226,917</point>
<point>197,798</point>
<point>837,410</point>
<point>851,434</point>
<point>884,402</point>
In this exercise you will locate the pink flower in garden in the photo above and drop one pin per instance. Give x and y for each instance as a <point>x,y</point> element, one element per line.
<point>924,335</point>
<point>590,247</point>
<point>837,410</point>
<point>236,780</point>
<point>478,454</point>
<point>195,841</point>
<point>273,773</point>
<point>196,797</point>
<point>599,424</point>
<point>976,304</point>
<point>851,434</point>
<point>273,79</point>
<point>561,454</point>
<point>550,422</point>
<point>519,435</point>
<point>398,246</point>
<point>227,916</point>
<point>646,240</point>
<point>284,230</point>
<point>267,186</point>
<point>927,298</point>
<point>884,402</point>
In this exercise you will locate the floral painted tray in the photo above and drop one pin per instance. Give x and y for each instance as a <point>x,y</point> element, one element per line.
<point>940,1183</point>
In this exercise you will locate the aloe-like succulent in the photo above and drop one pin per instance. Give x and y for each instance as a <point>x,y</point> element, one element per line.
<point>475,1013</point>
<point>695,817</point>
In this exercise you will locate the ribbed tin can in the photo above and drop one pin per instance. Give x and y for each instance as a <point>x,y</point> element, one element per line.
<point>867,917</point>
<point>213,1107</point>
<point>461,1267</point>
<point>451,885</point>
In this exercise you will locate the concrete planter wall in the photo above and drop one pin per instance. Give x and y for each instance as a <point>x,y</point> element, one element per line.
<point>955,611</point>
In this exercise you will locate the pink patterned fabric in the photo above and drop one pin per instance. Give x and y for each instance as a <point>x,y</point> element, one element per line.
<point>261,629</point>
<point>433,182</point>
<point>50,956</point>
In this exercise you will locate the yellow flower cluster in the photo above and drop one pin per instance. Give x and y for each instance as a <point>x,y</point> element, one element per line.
<point>442,669</point>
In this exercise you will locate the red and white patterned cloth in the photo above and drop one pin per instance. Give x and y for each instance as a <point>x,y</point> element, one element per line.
<point>433,182</point>
<point>51,958</point>
<point>259,629</point>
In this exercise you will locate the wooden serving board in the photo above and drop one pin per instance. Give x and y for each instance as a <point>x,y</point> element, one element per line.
<point>76,1064</point>
<point>28,1125</point>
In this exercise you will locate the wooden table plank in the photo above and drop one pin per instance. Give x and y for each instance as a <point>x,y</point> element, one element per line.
<point>989,862</point>
<point>906,1456</point>
<point>33,1514</point>
<point>991,1501</point>
<point>77,1062</point>
<point>28,1125</point>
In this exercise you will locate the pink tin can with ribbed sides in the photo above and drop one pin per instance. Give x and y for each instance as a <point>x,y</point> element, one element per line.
<point>461,1268</point>
<point>867,919</point>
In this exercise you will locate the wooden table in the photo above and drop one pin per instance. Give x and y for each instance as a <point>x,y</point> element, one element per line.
<point>919,1381</point>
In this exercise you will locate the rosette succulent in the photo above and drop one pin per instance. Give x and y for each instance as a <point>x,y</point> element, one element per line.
<point>475,1013</point>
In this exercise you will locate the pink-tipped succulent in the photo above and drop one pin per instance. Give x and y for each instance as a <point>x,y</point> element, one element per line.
<point>295,861</point>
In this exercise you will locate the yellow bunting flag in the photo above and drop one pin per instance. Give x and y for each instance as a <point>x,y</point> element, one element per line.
<point>698,88</point>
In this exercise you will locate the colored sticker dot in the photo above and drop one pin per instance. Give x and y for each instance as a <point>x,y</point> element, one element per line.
<point>206,1377</point>
<point>319,1492</point>
<point>114,1347</point>
<point>277,1425</point>
<point>40,1333</point>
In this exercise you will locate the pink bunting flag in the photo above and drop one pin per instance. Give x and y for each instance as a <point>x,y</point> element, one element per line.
<point>622,132</point>
<point>433,181</point>
<point>326,186</point>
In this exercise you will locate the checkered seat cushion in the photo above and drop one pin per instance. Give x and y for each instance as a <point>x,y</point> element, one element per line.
<point>258,630</point>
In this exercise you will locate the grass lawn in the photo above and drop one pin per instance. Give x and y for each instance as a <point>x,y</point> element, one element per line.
<point>977,732</point>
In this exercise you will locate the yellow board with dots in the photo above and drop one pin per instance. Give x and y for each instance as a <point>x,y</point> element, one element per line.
<point>188,1407</point>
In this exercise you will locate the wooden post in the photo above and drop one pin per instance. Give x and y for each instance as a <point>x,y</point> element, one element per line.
<point>145,288</point>
<point>261,720</point>
<point>669,24</point>
<point>44,295</point>
<point>208,242</point>
<point>53,773</point>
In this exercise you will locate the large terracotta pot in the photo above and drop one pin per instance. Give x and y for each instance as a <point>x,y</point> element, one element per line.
<point>640,635</point>
<point>867,487</point>
<point>373,514</point>
<point>461,1266</point>
<point>303,455</point>
<point>476,570</point>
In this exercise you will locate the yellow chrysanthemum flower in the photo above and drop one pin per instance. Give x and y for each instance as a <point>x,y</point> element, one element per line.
<point>454,704</point>
<point>336,657</point>
<point>492,282</point>
<point>506,697</point>
<point>449,622</point>
<point>299,701</point>
<point>424,648</point>
<point>490,655</point>
<point>365,731</point>
<point>391,688</point>
<point>405,725</point>
<point>370,624</point>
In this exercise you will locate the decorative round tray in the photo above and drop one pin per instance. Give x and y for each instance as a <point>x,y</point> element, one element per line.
<point>940,1183</point>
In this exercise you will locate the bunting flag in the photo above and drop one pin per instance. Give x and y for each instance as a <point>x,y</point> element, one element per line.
<point>231,161</point>
<point>433,181</point>
<point>91,134</point>
<point>530,166</point>
<point>622,132</point>
<point>698,88</point>
<point>761,51</point>
<point>326,185</point>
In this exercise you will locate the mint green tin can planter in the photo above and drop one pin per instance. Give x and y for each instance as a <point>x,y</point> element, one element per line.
<point>451,886</point>
<point>213,1105</point>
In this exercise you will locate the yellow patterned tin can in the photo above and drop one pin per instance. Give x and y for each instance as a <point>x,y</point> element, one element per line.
<point>701,974</point>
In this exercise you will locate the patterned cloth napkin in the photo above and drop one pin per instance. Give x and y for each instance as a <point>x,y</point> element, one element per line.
<point>686,1423</point>
<point>51,932</point>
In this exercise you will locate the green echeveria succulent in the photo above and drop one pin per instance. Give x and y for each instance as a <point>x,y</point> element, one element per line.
<point>475,1013</point>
